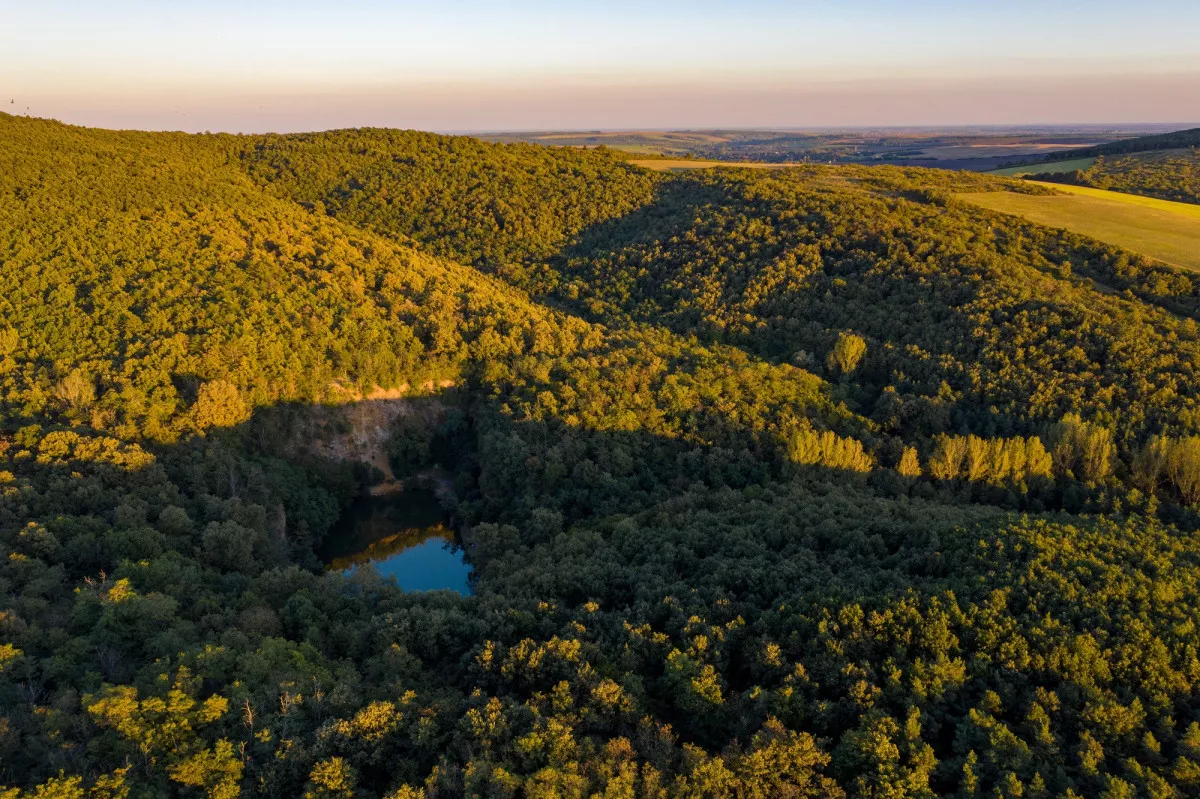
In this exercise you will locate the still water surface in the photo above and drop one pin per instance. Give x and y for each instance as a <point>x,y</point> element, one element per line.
<point>403,536</point>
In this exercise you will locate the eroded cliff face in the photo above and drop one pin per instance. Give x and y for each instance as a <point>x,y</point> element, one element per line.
<point>356,427</point>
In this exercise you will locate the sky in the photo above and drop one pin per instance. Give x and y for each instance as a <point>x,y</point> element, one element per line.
<point>474,65</point>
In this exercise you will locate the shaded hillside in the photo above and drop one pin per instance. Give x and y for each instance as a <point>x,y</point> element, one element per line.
<point>976,315</point>
<point>972,321</point>
<point>139,274</point>
<point>1141,144</point>
<point>500,208</point>
<point>814,483</point>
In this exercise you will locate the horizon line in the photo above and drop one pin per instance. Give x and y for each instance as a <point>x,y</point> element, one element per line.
<point>1015,126</point>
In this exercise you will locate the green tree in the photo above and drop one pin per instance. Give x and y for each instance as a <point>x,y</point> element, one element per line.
<point>847,353</point>
<point>219,404</point>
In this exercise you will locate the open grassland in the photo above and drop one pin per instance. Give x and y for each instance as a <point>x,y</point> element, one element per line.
<point>1182,209</point>
<point>1050,169</point>
<point>1160,229</point>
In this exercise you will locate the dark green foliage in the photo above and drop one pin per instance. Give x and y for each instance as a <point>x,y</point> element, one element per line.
<point>410,447</point>
<point>499,208</point>
<point>963,313</point>
<point>1141,144</point>
<point>806,483</point>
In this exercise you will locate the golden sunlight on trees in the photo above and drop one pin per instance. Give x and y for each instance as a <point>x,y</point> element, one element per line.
<point>910,463</point>
<point>989,460</point>
<point>219,404</point>
<point>1082,449</point>
<point>1173,460</point>
<point>77,391</point>
<point>847,353</point>
<point>809,447</point>
<point>689,577</point>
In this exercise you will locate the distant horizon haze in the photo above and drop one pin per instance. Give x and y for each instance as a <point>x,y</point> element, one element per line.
<point>469,66</point>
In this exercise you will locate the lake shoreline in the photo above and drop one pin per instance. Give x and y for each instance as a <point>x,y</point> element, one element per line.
<point>395,533</point>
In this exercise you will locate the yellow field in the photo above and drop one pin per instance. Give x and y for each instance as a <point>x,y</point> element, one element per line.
<point>1184,209</point>
<point>1159,229</point>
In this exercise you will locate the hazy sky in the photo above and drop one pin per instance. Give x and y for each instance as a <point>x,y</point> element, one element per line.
<point>476,65</point>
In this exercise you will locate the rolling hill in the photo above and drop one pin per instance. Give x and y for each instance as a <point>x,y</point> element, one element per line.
<point>1166,174</point>
<point>1162,166</point>
<point>1166,231</point>
<point>807,482</point>
<point>1140,144</point>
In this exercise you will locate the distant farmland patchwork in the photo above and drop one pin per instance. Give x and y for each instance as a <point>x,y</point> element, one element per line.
<point>1052,168</point>
<point>673,164</point>
<point>1166,231</point>
<point>974,149</point>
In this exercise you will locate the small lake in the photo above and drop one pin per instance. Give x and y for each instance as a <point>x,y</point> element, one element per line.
<point>403,536</point>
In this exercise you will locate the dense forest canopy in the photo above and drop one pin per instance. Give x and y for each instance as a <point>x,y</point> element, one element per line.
<point>798,483</point>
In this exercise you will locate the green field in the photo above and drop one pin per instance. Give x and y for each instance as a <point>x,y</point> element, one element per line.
<point>1167,231</point>
<point>1190,210</point>
<point>1057,167</point>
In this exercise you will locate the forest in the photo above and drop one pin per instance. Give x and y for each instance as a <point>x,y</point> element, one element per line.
<point>1142,144</point>
<point>1166,174</point>
<point>813,482</point>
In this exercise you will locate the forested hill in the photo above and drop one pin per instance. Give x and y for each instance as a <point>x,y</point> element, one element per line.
<point>1142,144</point>
<point>952,304</point>
<point>499,208</point>
<point>1166,166</point>
<point>1166,174</point>
<point>812,482</point>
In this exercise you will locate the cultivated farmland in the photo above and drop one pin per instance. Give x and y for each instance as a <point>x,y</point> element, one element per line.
<point>1053,168</point>
<point>674,164</point>
<point>1166,231</point>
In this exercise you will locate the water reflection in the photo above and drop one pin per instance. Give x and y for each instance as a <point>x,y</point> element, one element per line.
<point>404,536</point>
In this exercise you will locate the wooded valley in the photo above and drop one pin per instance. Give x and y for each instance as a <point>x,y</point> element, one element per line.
<point>813,482</point>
